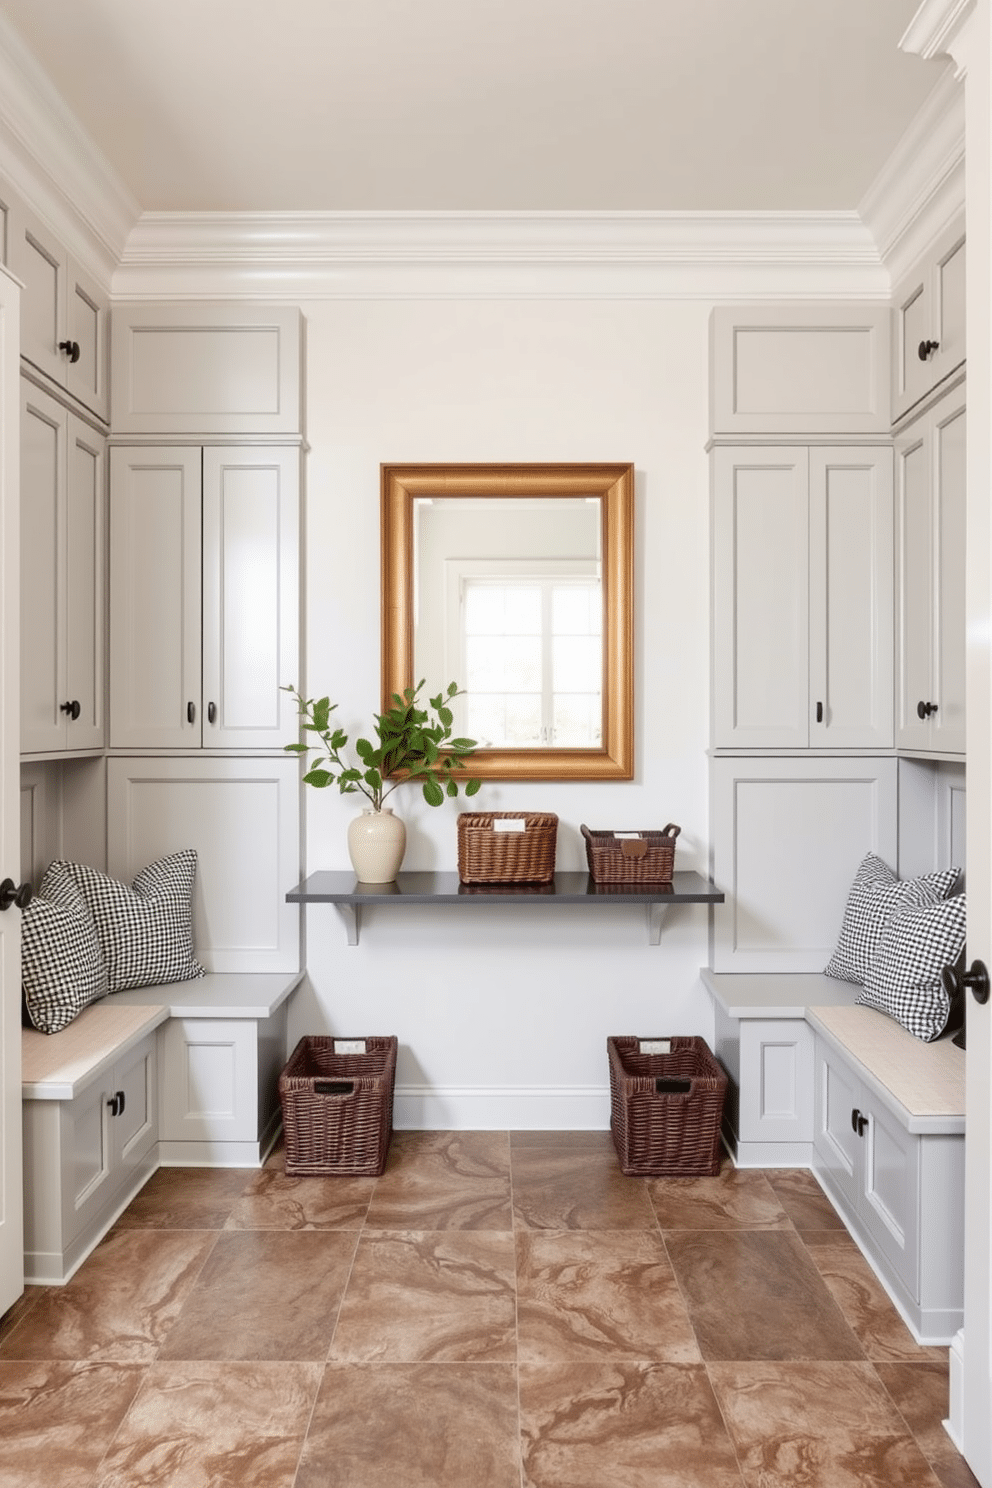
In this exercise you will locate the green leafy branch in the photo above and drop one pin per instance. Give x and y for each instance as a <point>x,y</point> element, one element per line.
<point>414,743</point>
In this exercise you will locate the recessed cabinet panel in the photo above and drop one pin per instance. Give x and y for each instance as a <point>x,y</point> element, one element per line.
<point>774,1098</point>
<point>155,514</point>
<point>86,592</point>
<point>761,597</point>
<point>891,1185</point>
<point>929,321</point>
<point>43,558</point>
<point>209,1073</point>
<point>950,478</point>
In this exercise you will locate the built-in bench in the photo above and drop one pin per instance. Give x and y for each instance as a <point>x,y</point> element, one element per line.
<point>183,1074</point>
<point>819,1081</point>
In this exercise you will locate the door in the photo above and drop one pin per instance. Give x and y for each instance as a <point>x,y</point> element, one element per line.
<point>11,1197</point>
<point>914,559</point>
<point>155,527</point>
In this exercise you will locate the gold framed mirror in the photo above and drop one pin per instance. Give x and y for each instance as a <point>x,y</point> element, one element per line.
<point>516,581</point>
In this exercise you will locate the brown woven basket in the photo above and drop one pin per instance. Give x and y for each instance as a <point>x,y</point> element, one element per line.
<point>666,1109</point>
<point>337,1109</point>
<point>648,858</point>
<point>488,856</point>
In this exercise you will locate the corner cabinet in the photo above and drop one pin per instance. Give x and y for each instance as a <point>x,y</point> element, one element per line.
<point>802,597</point>
<point>930,561</point>
<point>204,596</point>
<point>63,536</point>
<point>928,343</point>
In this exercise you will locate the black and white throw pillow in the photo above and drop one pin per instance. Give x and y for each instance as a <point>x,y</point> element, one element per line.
<point>876,895</point>
<point>62,965</point>
<point>145,931</point>
<point>904,979</point>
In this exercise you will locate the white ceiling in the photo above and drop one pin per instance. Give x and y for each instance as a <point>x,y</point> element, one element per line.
<point>485,105</point>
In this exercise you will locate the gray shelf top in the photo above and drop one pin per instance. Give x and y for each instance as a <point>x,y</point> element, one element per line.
<point>331,887</point>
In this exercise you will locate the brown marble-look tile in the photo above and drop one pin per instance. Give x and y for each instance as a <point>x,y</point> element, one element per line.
<point>429,1295</point>
<point>271,1201</point>
<point>23,1305</point>
<point>581,1187</point>
<point>195,1425</point>
<point>814,1238</point>
<point>866,1305</point>
<point>824,1425</point>
<point>755,1294</point>
<point>639,1425</point>
<point>444,1181</point>
<point>920,1393</point>
<point>562,1142</point>
<point>121,1302</point>
<point>587,1294</point>
<point>419,1425</point>
<point>804,1201</point>
<point>735,1198</point>
<point>58,1418</point>
<point>186,1199</point>
<point>265,1294</point>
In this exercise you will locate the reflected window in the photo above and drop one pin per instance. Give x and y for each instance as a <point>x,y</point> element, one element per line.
<point>532,661</point>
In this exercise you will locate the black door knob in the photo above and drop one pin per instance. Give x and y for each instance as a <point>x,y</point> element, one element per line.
<point>73,709</point>
<point>976,979</point>
<point>71,349</point>
<point>926,349</point>
<point>11,893</point>
<point>925,710</point>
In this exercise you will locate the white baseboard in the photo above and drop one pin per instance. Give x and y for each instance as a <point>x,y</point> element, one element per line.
<point>954,1425</point>
<point>501,1108</point>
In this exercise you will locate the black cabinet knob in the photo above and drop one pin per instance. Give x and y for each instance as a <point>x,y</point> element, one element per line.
<point>211,712</point>
<point>73,708</point>
<point>71,349</point>
<point>925,710</point>
<point>858,1122</point>
<point>926,349</point>
<point>11,893</point>
<point>975,979</point>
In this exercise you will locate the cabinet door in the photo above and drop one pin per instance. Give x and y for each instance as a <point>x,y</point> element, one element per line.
<point>39,261</point>
<point>87,1158</point>
<point>947,725</point>
<point>851,598</point>
<point>836,1143</point>
<point>891,1191</point>
<point>776,1057</point>
<point>43,563</point>
<point>88,328</point>
<point>134,1128</point>
<point>251,619</point>
<point>85,588</point>
<point>760,598</point>
<point>210,1080</point>
<point>914,561</point>
<point>929,311</point>
<point>155,517</point>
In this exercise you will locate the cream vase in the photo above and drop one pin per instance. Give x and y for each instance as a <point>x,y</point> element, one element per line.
<point>376,843</point>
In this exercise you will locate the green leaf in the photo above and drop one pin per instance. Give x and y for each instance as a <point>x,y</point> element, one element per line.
<point>319,778</point>
<point>339,739</point>
<point>374,779</point>
<point>433,794</point>
<point>461,744</point>
<point>350,775</point>
<point>452,689</point>
<point>296,748</point>
<point>363,748</point>
<point>472,787</point>
<point>452,788</point>
<point>446,716</point>
<point>436,702</point>
<point>431,750</point>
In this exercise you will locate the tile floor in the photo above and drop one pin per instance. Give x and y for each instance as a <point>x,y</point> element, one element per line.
<point>496,1311</point>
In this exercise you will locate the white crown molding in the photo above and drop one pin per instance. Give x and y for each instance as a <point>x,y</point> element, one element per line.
<point>921,186</point>
<point>936,29</point>
<point>55,166</point>
<point>500,255</point>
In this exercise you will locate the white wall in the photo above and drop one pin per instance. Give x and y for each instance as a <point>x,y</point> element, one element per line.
<point>505,1012</point>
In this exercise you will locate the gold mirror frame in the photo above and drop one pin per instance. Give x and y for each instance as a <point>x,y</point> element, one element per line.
<point>401,485</point>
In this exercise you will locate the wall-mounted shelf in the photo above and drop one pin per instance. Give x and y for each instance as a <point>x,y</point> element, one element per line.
<point>349,896</point>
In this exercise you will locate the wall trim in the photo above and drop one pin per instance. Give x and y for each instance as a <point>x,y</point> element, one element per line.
<point>501,1108</point>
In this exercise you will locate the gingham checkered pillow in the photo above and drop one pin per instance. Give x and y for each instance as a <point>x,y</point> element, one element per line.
<point>145,931</point>
<point>876,895</point>
<point>62,966</point>
<point>904,977</point>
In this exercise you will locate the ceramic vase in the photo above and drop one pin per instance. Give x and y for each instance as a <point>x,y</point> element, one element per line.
<point>376,843</point>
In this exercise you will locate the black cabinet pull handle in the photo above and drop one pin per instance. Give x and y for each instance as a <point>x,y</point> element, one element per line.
<point>11,893</point>
<point>926,349</point>
<point>190,712</point>
<point>211,712</point>
<point>858,1122</point>
<point>819,712</point>
<point>976,979</point>
<point>71,349</point>
<point>117,1102</point>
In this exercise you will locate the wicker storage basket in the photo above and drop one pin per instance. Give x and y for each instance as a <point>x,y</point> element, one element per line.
<point>666,1109</point>
<point>486,855</point>
<point>337,1108</point>
<point>648,858</point>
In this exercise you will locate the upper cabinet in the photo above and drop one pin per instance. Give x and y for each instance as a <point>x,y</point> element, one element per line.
<point>802,597</point>
<point>930,563</point>
<point>63,536</point>
<point>65,316</point>
<point>800,368</point>
<point>928,341</point>
<point>207,369</point>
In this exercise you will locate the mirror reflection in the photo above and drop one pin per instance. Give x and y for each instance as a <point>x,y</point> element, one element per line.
<point>508,598</point>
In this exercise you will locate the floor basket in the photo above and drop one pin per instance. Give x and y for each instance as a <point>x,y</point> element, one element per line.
<point>666,1107</point>
<point>631,857</point>
<point>337,1106</point>
<point>488,853</point>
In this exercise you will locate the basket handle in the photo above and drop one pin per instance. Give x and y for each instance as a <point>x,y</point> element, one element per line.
<point>333,1087</point>
<point>672,1085</point>
<point>671,831</point>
